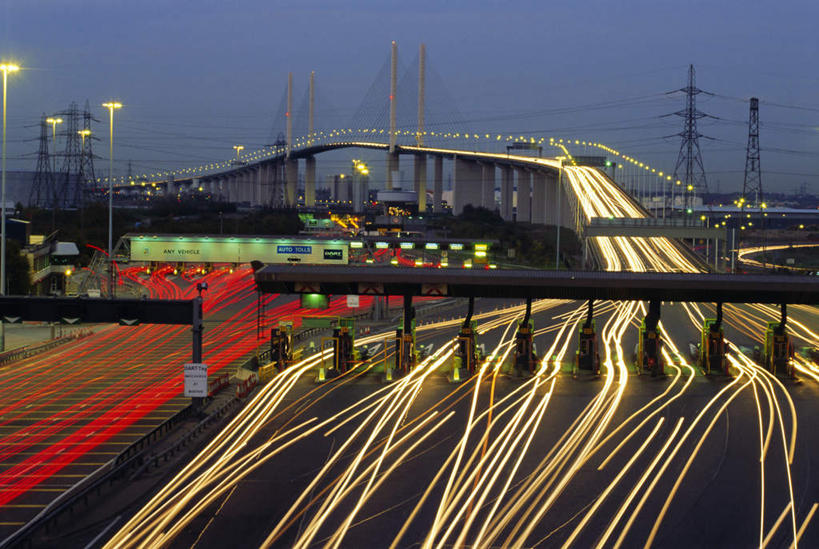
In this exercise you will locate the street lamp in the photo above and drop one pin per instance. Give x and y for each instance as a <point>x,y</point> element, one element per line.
<point>54,121</point>
<point>238,149</point>
<point>83,135</point>
<point>111,106</point>
<point>557,238</point>
<point>6,68</point>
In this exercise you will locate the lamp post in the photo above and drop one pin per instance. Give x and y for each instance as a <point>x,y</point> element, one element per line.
<point>557,243</point>
<point>238,149</point>
<point>54,121</point>
<point>83,135</point>
<point>6,68</point>
<point>111,106</point>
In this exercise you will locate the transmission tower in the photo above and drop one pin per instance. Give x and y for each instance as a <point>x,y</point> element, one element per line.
<point>69,180</point>
<point>752,186</point>
<point>690,157</point>
<point>87,177</point>
<point>42,188</point>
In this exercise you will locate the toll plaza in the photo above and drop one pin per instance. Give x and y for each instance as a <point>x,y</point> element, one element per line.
<point>570,285</point>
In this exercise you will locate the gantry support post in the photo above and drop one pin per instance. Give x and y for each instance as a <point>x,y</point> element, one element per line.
<point>197,329</point>
<point>407,343</point>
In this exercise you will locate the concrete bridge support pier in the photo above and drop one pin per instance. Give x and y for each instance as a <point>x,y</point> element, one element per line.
<point>467,185</point>
<point>392,167</point>
<point>291,174</point>
<point>257,185</point>
<point>539,198</point>
<point>438,184</point>
<point>310,182</point>
<point>488,186</point>
<point>420,178</point>
<point>524,196</point>
<point>233,191</point>
<point>249,183</point>
<point>506,193</point>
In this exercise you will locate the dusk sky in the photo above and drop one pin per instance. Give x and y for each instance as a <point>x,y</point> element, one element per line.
<point>197,77</point>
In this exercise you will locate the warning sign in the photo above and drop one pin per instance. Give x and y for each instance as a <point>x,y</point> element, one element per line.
<point>196,379</point>
<point>370,288</point>
<point>434,289</point>
<point>307,288</point>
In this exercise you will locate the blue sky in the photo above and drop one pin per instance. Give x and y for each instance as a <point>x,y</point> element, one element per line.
<point>197,77</point>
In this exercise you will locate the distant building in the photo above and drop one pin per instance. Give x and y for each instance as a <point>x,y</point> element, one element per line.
<point>341,188</point>
<point>51,263</point>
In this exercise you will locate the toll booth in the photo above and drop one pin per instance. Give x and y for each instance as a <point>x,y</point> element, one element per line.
<point>466,353</point>
<point>344,345</point>
<point>778,351</point>
<point>712,348</point>
<point>525,358</point>
<point>281,339</point>
<point>650,343</point>
<point>405,352</point>
<point>587,356</point>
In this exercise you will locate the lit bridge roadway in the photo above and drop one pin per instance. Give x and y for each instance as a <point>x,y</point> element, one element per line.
<point>583,194</point>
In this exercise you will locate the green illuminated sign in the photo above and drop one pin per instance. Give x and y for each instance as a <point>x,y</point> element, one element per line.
<point>315,301</point>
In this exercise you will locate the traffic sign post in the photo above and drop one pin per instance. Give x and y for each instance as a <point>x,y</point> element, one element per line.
<point>196,351</point>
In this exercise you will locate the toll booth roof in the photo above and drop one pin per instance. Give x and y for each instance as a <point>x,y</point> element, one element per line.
<point>622,286</point>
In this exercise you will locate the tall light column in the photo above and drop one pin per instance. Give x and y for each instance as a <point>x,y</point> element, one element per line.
<point>6,68</point>
<point>54,121</point>
<point>111,106</point>
<point>83,135</point>
<point>559,200</point>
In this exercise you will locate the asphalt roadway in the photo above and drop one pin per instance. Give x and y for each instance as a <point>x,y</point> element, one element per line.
<point>717,504</point>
